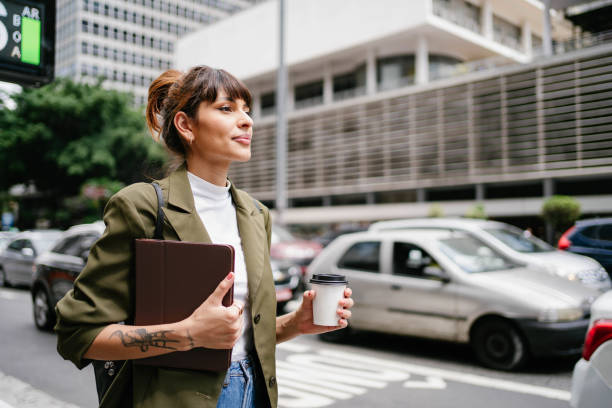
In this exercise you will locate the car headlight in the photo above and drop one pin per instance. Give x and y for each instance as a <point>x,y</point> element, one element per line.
<point>560,315</point>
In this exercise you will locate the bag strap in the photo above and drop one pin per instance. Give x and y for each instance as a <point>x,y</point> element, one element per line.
<point>159,221</point>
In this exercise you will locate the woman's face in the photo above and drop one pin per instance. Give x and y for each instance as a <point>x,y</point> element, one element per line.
<point>222,131</point>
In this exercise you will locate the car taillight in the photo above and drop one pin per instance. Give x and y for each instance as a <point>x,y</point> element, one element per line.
<point>599,333</point>
<point>564,241</point>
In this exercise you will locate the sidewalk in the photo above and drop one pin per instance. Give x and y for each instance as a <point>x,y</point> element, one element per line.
<point>15,393</point>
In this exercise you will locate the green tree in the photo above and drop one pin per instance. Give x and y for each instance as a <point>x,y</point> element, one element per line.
<point>477,211</point>
<point>560,212</point>
<point>65,133</point>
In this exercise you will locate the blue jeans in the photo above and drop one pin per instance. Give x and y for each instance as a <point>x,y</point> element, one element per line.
<point>240,388</point>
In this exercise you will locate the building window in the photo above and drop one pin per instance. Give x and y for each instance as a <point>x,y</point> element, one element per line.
<point>268,103</point>
<point>441,66</point>
<point>105,54</point>
<point>395,72</point>
<point>350,84</point>
<point>84,48</point>
<point>309,94</point>
<point>106,31</point>
<point>106,10</point>
<point>85,26</point>
<point>96,7</point>
<point>96,50</point>
<point>506,33</point>
<point>96,28</point>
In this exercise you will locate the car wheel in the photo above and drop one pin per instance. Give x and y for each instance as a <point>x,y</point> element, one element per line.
<point>498,344</point>
<point>44,315</point>
<point>3,280</point>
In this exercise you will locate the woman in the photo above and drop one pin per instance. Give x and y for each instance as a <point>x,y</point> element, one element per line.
<point>202,116</point>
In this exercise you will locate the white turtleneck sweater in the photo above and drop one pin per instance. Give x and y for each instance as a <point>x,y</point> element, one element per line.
<point>217,212</point>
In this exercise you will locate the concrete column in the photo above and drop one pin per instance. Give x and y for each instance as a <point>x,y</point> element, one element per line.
<point>422,61</point>
<point>547,35</point>
<point>257,104</point>
<point>526,38</point>
<point>328,85</point>
<point>486,19</point>
<point>480,192</point>
<point>371,72</point>
<point>421,195</point>
<point>548,189</point>
<point>290,97</point>
<point>370,198</point>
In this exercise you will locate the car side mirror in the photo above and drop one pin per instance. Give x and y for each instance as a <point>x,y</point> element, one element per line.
<point>27,252</point>
<point>437,273</point>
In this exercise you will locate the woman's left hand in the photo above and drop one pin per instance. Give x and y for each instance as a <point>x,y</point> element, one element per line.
<point>303,315</point>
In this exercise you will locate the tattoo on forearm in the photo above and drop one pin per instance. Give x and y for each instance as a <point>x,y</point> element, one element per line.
<point>143,339</point>
<point>191,343</point>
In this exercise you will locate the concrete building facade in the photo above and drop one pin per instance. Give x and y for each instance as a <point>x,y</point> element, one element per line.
<point>397,105</point>
<point>129,42</point>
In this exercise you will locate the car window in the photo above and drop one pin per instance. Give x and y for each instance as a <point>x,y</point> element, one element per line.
<point>605,232</point>
<point>363,256</point>
<point>590,232</point>
<point>521,241</point>
<point>472,255</point>
<point>410,260</point>
<point>16,245</point>
<point>76,244</point>
<point>67,246</point>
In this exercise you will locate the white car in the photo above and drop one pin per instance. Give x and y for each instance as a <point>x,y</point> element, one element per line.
<point>449,285</point>
<point>592,379</point>
<point>518,245</point>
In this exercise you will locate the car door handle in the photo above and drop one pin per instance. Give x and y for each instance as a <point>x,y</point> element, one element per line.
<point>396,287</point>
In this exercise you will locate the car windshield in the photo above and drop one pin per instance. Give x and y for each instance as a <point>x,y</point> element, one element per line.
<point>279,234</point>
<point>472,255</point>
<point>44,240</point>
<point>521,241</point>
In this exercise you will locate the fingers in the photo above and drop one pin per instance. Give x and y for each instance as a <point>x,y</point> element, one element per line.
<point>217,296</point>
<point>348,292</point>
<point>238,306</point>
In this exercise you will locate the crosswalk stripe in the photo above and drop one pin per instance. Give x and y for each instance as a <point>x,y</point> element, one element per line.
<point>456,376</point>
<point>283,374</point>
<point>319,390</point>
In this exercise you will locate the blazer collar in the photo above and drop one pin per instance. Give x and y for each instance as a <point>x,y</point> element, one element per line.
<point>186,222</point>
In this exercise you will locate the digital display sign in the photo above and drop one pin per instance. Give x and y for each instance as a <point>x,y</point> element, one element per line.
<point>27,36</point>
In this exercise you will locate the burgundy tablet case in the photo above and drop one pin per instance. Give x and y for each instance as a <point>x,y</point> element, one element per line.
<point>173,278</point>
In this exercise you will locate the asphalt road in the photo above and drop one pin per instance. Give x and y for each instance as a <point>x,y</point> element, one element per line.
<point>369,370</point>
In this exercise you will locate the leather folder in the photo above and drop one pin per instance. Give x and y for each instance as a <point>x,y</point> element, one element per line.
<point>173,278</point>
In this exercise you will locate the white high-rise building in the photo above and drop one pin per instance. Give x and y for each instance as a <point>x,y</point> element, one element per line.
<point>129,42</point>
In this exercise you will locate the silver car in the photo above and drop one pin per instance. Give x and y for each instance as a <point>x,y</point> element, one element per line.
<point>592,378</point>
<point>520,246</point>
<point>448,285</point>
<point>17,259</point>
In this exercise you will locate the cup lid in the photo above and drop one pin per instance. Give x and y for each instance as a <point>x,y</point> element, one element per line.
<point>328,279</point>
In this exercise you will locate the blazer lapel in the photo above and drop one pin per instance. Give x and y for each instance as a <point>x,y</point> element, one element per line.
<point>180,210</point>
<point>253,237</point>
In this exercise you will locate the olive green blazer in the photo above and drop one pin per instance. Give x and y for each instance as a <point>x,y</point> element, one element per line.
<point>104,291</point>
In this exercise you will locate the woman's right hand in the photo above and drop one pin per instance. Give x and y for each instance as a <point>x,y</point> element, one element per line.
<point>213,325</point>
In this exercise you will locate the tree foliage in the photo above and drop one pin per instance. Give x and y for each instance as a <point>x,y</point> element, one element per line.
<point>561,211</point>
<point>65,133</point>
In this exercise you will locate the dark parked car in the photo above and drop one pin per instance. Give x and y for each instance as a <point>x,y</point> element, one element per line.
<point>17,258</point>
<point>57,269</point>
<point>592,238</point>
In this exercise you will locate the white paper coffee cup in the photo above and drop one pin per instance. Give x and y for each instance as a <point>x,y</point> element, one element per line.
<point>329,290</point>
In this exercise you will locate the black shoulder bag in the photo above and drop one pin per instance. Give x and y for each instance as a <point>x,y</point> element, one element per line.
<point>105,371</point>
